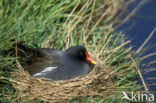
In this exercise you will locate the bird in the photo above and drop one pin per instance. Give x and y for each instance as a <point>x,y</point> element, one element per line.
<point>59,65</point>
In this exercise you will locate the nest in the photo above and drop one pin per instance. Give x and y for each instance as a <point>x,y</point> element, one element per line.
<point>98,82</point>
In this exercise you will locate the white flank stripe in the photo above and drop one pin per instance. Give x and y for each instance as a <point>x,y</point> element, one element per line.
<point>48,69</point>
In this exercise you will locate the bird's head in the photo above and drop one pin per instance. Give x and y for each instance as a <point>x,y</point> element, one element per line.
<point>79,53</point>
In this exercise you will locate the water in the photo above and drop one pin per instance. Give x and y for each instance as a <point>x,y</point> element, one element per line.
<point>138,28</point>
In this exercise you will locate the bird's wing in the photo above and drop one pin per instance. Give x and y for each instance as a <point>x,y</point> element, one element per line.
<point>39,59</point>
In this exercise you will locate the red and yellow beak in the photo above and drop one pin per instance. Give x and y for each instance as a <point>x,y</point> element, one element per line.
<point>89,59</point>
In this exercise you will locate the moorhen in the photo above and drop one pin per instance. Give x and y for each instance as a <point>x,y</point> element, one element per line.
<point>59,65</point>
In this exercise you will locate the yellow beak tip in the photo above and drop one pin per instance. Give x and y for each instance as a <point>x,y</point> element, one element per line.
<point>93,62</point>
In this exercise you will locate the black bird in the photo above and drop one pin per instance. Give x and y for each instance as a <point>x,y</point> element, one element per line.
<point>59,65</point>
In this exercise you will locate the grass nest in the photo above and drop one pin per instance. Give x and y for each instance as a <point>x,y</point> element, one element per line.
<point>98,82</point>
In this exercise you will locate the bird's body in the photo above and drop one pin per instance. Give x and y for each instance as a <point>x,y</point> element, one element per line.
<point>59,65</point>
<point>64,72</point>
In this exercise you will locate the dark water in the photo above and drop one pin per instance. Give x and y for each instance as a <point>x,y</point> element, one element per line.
<point>138,28</point>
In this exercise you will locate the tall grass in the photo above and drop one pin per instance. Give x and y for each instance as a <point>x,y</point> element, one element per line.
<point>59,24</point>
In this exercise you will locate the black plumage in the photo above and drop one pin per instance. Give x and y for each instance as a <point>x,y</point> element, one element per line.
<point>59,65</point>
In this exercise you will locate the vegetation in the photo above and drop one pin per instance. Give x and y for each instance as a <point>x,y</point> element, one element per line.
<point>59,24</point>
